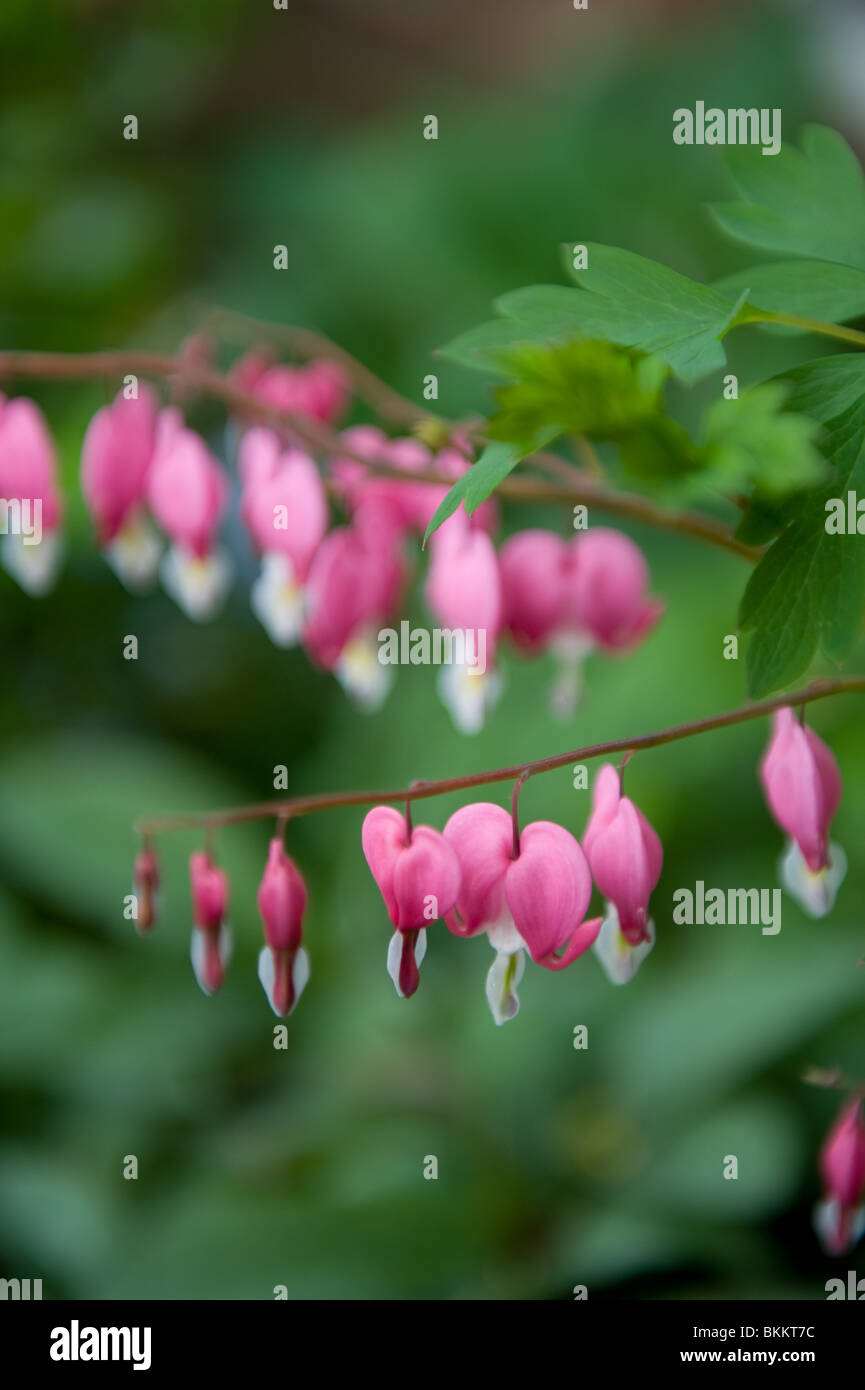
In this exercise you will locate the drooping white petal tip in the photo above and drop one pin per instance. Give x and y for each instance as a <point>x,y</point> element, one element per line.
<point>815,893</point>
<point>33,567</point>
<point>360,673</point>
<point>838,1233</point>
<point>198,955</point>
<point>278,600</point>
<point>503,977</point>
<point>468,695</point>
<point>619,958</point>
<point>394,955</point>
<point>198,585</point>
<point>299,976</point>
<point>134,554</point>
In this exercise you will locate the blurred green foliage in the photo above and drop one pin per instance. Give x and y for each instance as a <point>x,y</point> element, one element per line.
<point>261,1167</point>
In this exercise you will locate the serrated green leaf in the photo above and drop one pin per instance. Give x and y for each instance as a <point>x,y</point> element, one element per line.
<point>819,290</point>
<point>808,591</point>
<point>639,303</point>
<point>799,203</point>
<point>479,348</point>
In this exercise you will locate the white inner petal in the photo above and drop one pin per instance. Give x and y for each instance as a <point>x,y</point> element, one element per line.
<point>134,553</point>
<point>33,567</point>
<point>197,953</point>
<point>394,955</point>
<point>503,977</point>
<point>278,600</point>
<point>198,586</point>
<point>815,893</point>
<point>619,958</point>
<point>299,975</point>
<point>360,673</point>
<point>467,695</point>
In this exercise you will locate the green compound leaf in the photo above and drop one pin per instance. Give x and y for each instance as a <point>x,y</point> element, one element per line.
<point>799,203</point>
<point>623,299</point>
<point>639,303</point>
<point>753,442</point>
<point>819,290</point>
<point>808,591</point>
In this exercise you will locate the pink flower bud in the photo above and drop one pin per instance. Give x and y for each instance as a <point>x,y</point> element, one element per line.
<point>607,590</point>
<point>463,588</point>
<point>210,939</point>
<point>624,854</point>
<point>145,876</point>
<point>803,787</point>
<point>352,587</point>
<point>391,504</point>
<point>249,369</point>
<point>186,487</point>
<point>839,1219</point>
<point>31,548</point>
<point>283,966</point>
<point>284,502</point>
<point>418,875</point>
<point>325,390</point>
<point>320,389</point>
<point>115,457</point>
<point>28,468</point>
<point>535,567</point>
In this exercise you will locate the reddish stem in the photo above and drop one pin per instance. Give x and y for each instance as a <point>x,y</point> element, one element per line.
<point>305,805</point>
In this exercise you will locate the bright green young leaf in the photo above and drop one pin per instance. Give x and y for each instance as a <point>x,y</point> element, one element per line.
<point>753,443</point>
<point>818,290</point>
<point>808,591</point>
<point>585,387</point>
<point>799,203</point>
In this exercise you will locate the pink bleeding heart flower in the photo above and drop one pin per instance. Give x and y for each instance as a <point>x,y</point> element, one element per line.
<point>211,938</point>
<point>803,787</point>
<point>535,568</point>
<point>607,590</point>
<point>28,488</point>
<point>625,857</point>
<point>534,899</point>
<point>463,591</point>
<point>571,596</point>
<point>840,1217</point>
<point>353,586</point>
<point>418,875</point>
<point>115,459</point>
<point>187,491</point>
<point>145,877</point>
<point>285,508</point>
<point>283,966</point>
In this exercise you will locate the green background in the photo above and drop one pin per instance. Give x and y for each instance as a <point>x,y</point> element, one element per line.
<point>304,1167</point>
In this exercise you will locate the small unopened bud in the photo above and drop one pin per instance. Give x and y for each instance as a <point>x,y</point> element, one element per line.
<point>211,939</point>
<point>145,876</point>
<point>840,1219</point>
<point>283,966</point>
